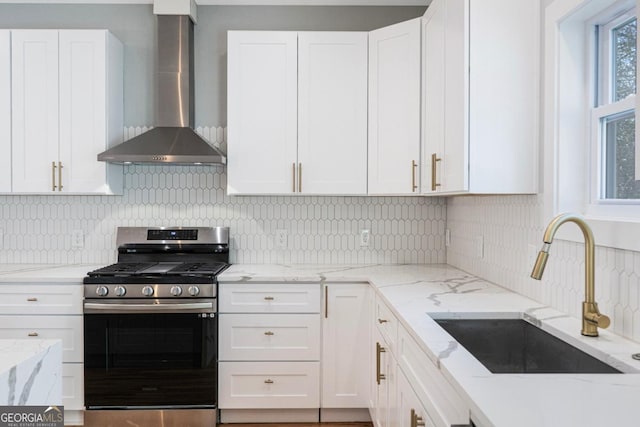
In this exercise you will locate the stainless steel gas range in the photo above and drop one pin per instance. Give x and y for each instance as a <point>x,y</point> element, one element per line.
<point>150,324</point>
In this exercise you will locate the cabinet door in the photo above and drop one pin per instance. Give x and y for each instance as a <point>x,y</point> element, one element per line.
<point>82,63</point>
<point>34,101</point>
<point>269,337</point>
<point>66,328</point>
<point>332,112</point>
<point>346,346</point>
<point>262,112</point>
<point>5,111</point>
<point>394,108</point>
<point>433,92</point>
<point>73,386</point>
<point>455,159</point>
<point>410,411</point>
<point>384,412</point>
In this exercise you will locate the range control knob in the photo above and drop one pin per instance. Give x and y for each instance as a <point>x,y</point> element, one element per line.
<point>176,291</point>
<point>147,291</point>
<point>120,291</point>
<point>102,291</point>
<point>194,291</point>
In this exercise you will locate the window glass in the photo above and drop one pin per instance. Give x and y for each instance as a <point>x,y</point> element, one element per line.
<point>624,60</point>
<point>620,157</point>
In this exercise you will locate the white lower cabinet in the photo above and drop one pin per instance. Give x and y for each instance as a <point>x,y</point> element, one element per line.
<point>409,387</point>
<point>269,346</point>
<point>73,386</point>
<point>345,345</point>
<point>383,411</point>
<point>410,412</point>
<point>49,311</point>
<point>269,337</point>
<point>268,385</point>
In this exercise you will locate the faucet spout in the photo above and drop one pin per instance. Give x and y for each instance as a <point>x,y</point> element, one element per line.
<point>591,316</point>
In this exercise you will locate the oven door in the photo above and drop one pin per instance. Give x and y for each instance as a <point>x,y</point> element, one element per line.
<point>141,355</point>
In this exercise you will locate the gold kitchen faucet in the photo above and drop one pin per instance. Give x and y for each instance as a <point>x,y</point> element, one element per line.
<point>591,316</point>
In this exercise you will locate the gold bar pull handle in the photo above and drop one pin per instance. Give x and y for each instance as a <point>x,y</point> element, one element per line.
<point>434,161</point>
<point>59,176</point>
<point>381,321</point>
<point>32,334</point>
<point>379,350</point>
<point>293,181</point>
<point>268,298</point>
<point>269,333</point>
<point>32,299</point>
<point>268,381</point>
<point>53,176</point>
<point>326,302</point>
<point>299,177</point>
<point>414,167</point>
<point>416,420</point>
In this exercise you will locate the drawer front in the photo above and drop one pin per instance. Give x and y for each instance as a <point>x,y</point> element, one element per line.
<point>442,402</point>
<point>66,328</point>
<point>387,323</point>
<point>269,298</point>
<point>40,299</point>
<point>269,337</point>
<point>73,386</point>
<point>266,385</point>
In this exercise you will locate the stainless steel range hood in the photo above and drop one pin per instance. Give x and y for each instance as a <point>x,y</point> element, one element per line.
<point>173,140</point>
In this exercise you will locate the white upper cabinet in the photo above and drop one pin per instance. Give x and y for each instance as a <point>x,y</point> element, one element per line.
<point>91,64</point>
<point>262,112</point>
<point>332,112</point>
<point>296,112</point>
<point>394,108</point>
<point>67,95</point>
<point>5,111</point>
<point>480,73</point>
<point>34,69</point>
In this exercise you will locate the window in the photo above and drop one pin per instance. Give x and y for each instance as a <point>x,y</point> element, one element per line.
<point>613,114</point>
<point>590,162</point>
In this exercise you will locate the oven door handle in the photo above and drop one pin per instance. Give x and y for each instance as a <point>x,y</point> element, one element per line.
<point>199,307</point>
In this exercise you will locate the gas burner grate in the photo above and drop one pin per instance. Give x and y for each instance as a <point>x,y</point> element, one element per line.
<point>198,268</point>
<point>121,268</point>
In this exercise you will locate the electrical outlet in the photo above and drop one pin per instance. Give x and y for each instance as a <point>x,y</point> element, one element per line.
<point>281,239</point>
<point>479,242</point>
<point>447,237</point>
<point>365,237</point>
<point>77,239</point>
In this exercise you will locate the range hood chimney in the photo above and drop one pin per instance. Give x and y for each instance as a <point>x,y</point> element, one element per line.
<point>173,140</point>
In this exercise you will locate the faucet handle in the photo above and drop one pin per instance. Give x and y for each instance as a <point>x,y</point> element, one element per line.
<point>592,319</point>
<point>601,320</point>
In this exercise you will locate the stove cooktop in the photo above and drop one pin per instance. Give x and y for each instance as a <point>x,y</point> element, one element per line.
<point>128,269</point>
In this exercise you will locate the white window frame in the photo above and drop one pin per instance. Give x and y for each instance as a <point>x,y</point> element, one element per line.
<point>568,100</point>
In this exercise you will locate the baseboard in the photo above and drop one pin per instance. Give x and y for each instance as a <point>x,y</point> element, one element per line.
<point>354,415</point>
<point>73,418</point>
<point>269,416</point>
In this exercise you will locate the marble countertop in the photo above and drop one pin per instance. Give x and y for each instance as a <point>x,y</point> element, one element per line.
<point>45,273</point>
<point>30,372</point>
<point>417,292</point>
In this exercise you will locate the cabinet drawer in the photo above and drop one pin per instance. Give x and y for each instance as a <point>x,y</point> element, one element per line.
<point>387,323</point>
<point>73,386</point>
<point>40,299</point>
<point>66,328</point>
<point>270,337</point>
<point>442,402</point>
<point>269,298</point>
<point>263,385</point>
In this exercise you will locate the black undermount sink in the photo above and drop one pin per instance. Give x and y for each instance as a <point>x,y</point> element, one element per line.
<point>515,346</point>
